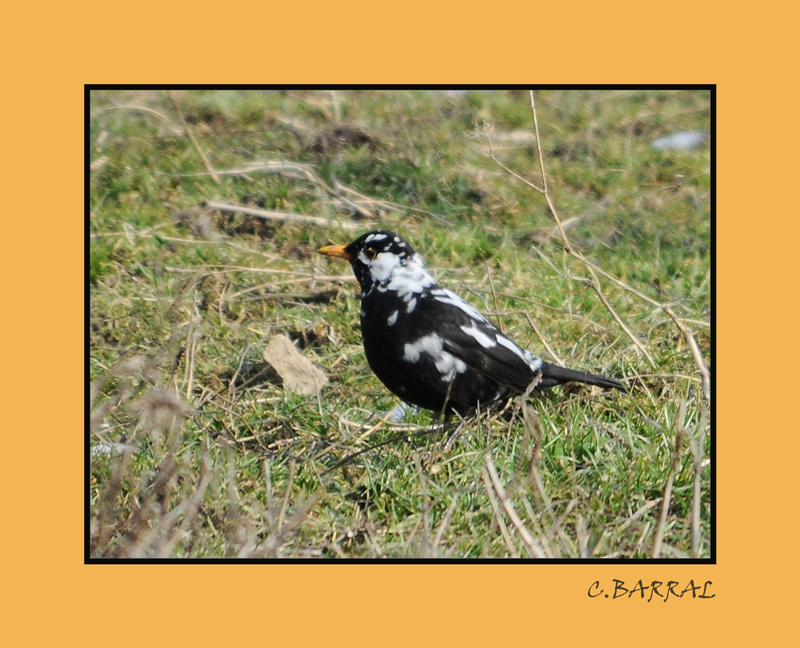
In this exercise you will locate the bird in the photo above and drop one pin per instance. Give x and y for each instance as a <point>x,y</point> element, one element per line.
<point>430,347</point>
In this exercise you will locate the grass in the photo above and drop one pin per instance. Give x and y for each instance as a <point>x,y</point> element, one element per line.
<point>197,451</point>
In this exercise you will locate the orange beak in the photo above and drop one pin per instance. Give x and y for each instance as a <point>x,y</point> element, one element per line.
<point>335,251</point>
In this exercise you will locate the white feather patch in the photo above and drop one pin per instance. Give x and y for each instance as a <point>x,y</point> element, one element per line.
<point>448,297</point>
<point>484,340</point>
<point>447,364</point>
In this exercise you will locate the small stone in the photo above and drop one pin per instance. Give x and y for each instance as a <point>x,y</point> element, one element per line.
<point>683,141</point>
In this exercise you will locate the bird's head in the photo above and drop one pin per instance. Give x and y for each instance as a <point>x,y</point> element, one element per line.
<point>384,260</point>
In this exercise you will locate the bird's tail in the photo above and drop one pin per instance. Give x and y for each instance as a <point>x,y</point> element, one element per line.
<point>554,375</point>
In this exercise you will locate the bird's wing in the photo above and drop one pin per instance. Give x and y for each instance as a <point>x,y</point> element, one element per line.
<point>468,335</point>
<point>498,362</point>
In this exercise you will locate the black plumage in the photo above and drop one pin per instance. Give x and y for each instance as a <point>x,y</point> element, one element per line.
<point>429,346</point>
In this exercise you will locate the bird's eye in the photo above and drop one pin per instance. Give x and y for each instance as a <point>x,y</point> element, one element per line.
<point>371,253</point>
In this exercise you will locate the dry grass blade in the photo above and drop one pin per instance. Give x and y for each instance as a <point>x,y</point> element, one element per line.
<point>533,427</point>
<point>685,330</point>
<point>595,284</point>
<point>667,497</point>
<point>498,514</point>
<point>176,103</point>
<point>583,537</point>
<point>541,337</point>
<point>298,170</point>
<point>190,510</point>
<point>426,549</point>
<point>533,546</point>
<point>445,522</point>
<point>287,217</point>
<point>697,443</point>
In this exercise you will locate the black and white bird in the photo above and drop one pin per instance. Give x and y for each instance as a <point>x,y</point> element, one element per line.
<point>429,346</point>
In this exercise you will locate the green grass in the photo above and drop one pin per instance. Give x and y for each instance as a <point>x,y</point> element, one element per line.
<point>216,459</point>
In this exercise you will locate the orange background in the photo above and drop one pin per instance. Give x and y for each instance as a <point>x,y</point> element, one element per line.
<point>50,52</point>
